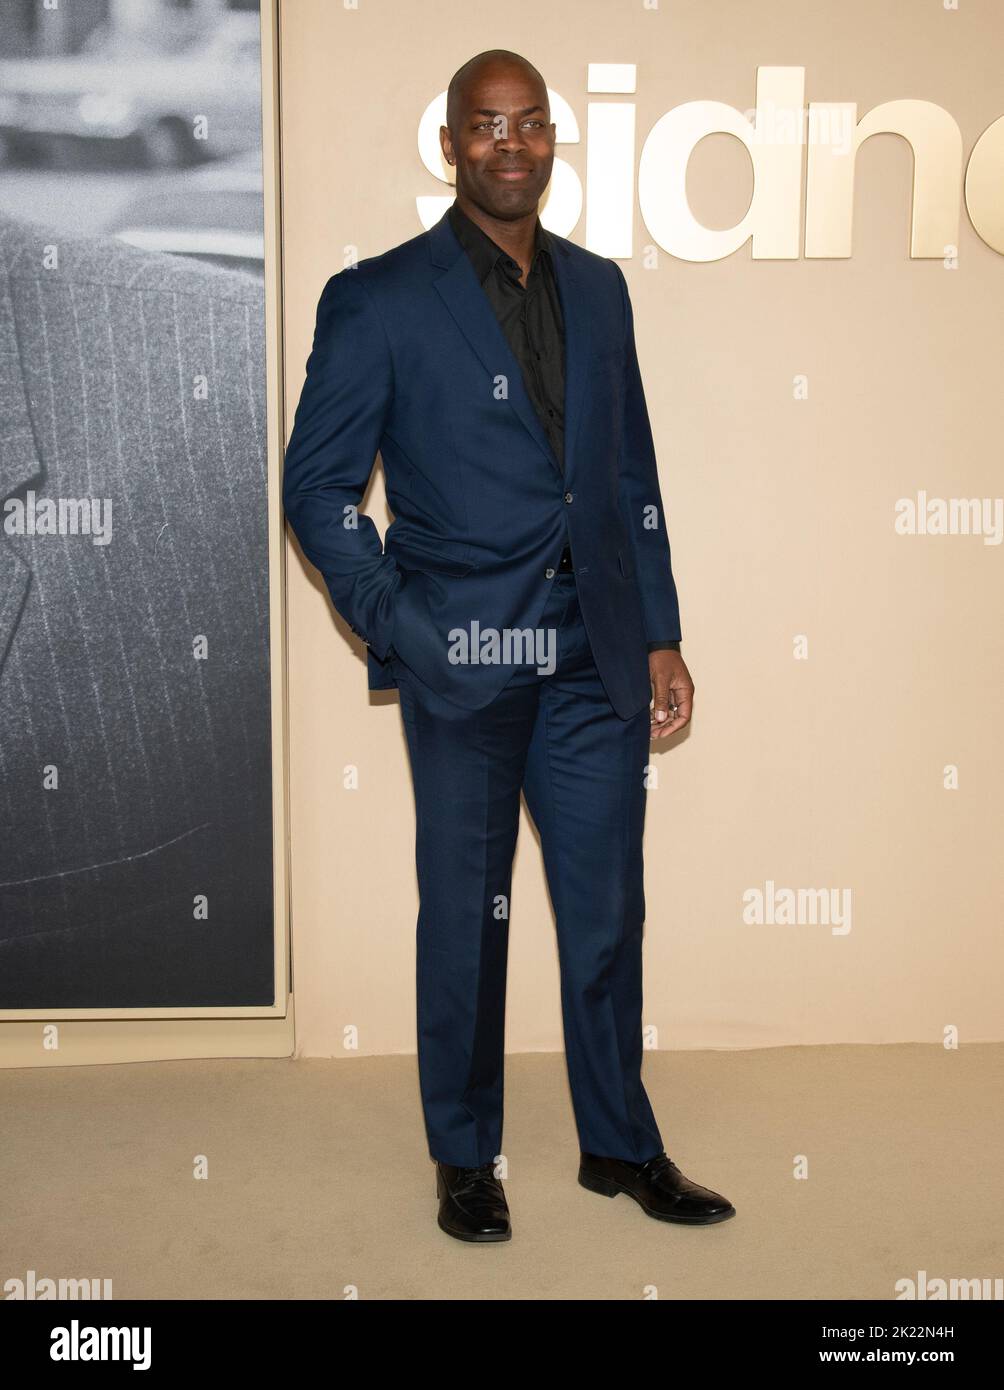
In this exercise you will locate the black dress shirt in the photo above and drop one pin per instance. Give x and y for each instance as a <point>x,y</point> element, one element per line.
<point>532,321</point>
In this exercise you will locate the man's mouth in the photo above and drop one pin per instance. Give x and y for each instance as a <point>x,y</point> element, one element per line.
<point>511,172</point>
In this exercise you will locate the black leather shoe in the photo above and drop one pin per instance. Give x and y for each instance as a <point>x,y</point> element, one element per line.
<point>472,1205</point>
<point>658,1186</point>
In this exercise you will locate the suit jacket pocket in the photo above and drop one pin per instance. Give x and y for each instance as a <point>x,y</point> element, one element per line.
<point>413,557</point>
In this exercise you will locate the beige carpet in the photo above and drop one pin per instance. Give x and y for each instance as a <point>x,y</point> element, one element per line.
<point>320,1185</point>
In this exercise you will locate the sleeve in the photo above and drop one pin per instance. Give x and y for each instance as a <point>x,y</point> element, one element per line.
<point>641,500</point>
<point>339,422</point>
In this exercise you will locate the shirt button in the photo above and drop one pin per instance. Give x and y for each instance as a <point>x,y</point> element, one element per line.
<point>549,574</point>
<point>568,497</point>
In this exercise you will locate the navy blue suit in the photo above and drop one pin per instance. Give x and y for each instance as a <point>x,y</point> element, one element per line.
<point>409,360</point>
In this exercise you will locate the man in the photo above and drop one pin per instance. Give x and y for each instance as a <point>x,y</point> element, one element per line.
<point>135,748</point>
<point>493,365</point>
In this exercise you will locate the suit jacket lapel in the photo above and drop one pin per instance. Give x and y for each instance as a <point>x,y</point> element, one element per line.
<point>469,305</point>
<point>578,344</point>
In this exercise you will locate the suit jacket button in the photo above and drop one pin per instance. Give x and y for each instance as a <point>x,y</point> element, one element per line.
<point>549,574</point>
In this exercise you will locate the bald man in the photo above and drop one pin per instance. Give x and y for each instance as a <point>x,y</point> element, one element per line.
<point>523,603</point>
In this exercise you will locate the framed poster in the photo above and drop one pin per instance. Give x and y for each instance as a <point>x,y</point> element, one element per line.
<point>141,693</point>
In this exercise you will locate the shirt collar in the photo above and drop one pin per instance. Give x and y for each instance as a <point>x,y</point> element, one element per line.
<point>483,251</point>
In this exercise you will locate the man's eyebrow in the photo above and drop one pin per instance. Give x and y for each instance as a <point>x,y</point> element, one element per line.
<point>486,111</point>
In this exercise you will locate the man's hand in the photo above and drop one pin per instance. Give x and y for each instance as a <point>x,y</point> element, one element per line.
<point>672,690</point>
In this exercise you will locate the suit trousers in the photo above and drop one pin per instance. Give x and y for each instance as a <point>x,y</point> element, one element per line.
<point>555,736</point>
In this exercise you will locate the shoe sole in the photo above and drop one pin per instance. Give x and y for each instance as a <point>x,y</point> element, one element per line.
<point>606,1187</point>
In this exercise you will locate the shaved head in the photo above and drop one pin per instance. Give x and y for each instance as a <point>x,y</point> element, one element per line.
<point>482,63</point>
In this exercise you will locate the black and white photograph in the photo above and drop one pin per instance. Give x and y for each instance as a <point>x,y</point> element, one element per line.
<point>135,722</point>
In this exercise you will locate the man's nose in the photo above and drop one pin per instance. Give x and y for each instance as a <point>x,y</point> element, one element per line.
<point>510,137</point>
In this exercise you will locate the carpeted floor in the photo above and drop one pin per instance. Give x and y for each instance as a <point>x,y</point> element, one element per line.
<point>320,1186</point>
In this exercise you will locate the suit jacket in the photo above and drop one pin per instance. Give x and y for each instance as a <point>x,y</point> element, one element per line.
<point>408,359</point>
<point>163,761</point>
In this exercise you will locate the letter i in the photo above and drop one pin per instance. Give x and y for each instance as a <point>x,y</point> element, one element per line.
<point>610,162</point>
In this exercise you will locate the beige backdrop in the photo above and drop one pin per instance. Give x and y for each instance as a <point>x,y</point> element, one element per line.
<point>825,772</point>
